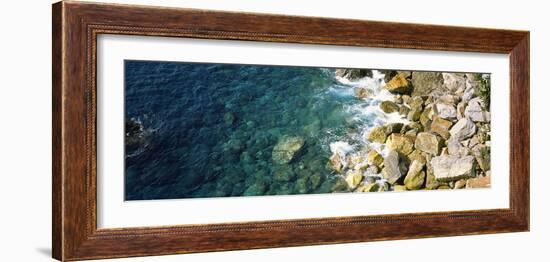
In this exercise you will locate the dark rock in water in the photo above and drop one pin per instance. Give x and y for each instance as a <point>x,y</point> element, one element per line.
<point>287,149</point>
<point>301,186</point>
<point>256,189</point>
<point>229,118</point>
<point>316,180</point>
<point>135,135</point>
<point>284,174</point>
<point>353,74</point>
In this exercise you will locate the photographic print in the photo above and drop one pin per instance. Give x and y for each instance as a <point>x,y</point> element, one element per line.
<point>200,130</point>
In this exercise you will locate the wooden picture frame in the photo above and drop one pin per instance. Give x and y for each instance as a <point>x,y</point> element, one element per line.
<point>76,26</point>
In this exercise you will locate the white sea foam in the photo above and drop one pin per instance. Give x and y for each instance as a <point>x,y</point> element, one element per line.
<point>367,112</point>
<point>341,148</point>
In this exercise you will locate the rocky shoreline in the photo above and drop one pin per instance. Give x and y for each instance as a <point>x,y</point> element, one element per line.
<point>443,142</point>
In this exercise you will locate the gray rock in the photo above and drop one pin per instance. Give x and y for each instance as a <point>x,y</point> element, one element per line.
<point>463,129</point>
<point>451,168</point>
<point>393,170</point>
<point>455,148</point>
<point>445,111</point>
<point>286,149</point>
<point>474,110</point>
<point>454,81</point>
<point>469,92</point>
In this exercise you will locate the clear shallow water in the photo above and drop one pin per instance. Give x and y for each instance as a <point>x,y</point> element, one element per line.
<point>209,129</point>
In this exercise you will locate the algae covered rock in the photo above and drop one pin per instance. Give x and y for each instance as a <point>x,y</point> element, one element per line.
<point>354,178</point>
<point>377,134</point>
<point>287,149</point>
<point>374,158</point>
<point>389,107</point>
<point>415,176</point>
<point>400,143</point>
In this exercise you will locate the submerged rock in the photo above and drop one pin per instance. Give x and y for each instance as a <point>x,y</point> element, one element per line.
<point>229,118</point>
<point>301,186</point>
<point>287,149</point>
<point>315,180</point>
<point>339,185</point>
<point>284,175</point>
<point>450,168</point>
<point>256,189</point>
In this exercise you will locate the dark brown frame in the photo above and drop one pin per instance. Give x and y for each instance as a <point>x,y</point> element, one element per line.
<point>76,26</point>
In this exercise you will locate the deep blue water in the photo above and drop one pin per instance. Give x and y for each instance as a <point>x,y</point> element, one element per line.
<point>209,129</point>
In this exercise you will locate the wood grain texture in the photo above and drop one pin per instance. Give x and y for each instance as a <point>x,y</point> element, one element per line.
<point>76,26</point>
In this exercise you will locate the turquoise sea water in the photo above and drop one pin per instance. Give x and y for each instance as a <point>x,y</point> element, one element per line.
<point>209,129</point>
